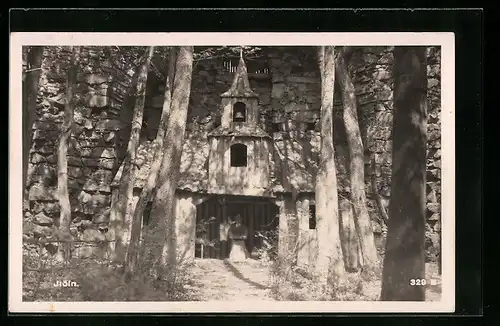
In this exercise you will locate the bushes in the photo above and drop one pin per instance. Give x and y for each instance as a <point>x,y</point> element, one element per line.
<point>290,282</point>
<point>96,279</point>
<point>107,283</point>
<point>295,283</point>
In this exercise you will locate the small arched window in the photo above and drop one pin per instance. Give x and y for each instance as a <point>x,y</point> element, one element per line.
<point>238,155</point>
<point>239,112</point>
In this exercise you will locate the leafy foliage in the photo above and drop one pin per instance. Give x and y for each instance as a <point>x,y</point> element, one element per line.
<point>97,280</point>
<point>202,227</point>
<point>205,53</point>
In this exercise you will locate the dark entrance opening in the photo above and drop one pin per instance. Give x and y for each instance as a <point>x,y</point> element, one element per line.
<point>259,215</point>
<point>239,155</point>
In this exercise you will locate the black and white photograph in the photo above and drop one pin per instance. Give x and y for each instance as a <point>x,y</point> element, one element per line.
<point>300,173</point>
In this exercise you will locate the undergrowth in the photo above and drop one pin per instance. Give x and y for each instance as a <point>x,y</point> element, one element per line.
<point>98,279</point>
<point>290,282</point>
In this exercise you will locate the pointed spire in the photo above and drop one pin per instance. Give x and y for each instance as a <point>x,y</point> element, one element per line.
<point>241,84</point>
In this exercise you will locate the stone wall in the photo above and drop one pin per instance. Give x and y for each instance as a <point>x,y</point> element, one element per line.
<point>92,151</point>
<point>434,151</point>
<point>211,78</point>
<point>289,97</point>
<point>295,104</point>
<point>371,68</point>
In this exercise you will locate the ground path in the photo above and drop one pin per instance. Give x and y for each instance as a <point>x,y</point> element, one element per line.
<point>224,280</point>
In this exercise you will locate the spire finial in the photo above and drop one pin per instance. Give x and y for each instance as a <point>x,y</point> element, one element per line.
<point>241,85</point>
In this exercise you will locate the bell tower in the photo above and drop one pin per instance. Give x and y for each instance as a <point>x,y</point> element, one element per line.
<point>239,148</point>
<point>240,103</point>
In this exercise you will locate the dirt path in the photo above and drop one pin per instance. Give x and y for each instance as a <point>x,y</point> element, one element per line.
<point>224,280</point>
<point>215,279</point>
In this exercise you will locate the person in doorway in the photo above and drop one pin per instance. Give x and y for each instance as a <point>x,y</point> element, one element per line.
<point>238,234</point>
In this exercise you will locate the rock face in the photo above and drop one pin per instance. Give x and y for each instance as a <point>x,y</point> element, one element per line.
<point>92,149</point>
<point>289,99</point>
<point>372,76</point>
<point>434,151</point>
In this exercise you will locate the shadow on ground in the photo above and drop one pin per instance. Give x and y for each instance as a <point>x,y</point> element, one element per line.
<point>232,268</point>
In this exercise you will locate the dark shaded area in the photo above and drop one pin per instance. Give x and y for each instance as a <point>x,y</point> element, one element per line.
<point>258,214</point>
<point>241,20</point>
<point>31,77</point>
<point>404,255</point>
<point>239,155</point>
<point>312,217</point>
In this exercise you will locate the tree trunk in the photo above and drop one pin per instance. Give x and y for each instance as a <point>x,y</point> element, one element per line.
<point>378,199</point>
<point>330,263</point>
<point>404,254</point>
<point>62,153</point>
<point>357,167</point>
<point>145,197</point>
<point>34,62</point>
<point>120,215</point>
<point>162,212</point>
<point>348,236</point>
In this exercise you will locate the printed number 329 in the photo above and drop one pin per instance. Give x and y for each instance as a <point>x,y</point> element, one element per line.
<point>418,282</point>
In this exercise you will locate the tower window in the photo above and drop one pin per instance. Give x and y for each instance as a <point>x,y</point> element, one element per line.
<point>312,217</point>
<point>238,155</point>
<point>239,112</point>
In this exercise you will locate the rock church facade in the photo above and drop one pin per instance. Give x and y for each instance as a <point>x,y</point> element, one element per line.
<point>278,102</point>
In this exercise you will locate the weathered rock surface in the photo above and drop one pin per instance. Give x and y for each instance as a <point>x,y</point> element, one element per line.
<point>289,100</point>
<point>43,220</point>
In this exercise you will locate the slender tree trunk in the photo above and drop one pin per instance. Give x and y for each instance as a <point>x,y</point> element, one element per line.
<point>404,254</point>
<point>120,212</point>
<point>376,194</point>
<point>62,153</point>
<point>145,197</point>
<point>162,212</point>
<point>34,63</point>
<point>357,167</point>
<point>330,263</point>
<point>348,236</point>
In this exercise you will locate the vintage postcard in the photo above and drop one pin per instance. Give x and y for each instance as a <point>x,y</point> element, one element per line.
<point>232,172</point>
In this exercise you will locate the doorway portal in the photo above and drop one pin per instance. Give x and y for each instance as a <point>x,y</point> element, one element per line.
<point>213,217</point>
